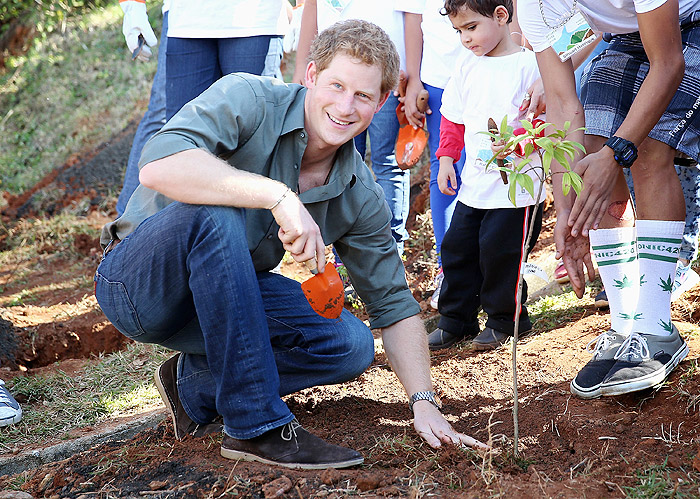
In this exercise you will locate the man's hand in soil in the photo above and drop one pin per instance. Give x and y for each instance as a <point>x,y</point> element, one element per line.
<point>575,253</point>
<point>435,430</point>
<point>599,172</point>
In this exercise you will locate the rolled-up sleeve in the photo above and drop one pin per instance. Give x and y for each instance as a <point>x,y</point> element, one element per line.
<point>369,253</point>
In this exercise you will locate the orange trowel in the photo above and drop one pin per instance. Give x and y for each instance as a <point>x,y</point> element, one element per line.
<point>324,291</point>
<point>411,141</point>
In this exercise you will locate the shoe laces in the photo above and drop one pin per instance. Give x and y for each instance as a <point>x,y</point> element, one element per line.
<point>634,346</point>
<point>602,343</point>
<point>6,397</point>
<point>289,430</point>
<point>681,275</point>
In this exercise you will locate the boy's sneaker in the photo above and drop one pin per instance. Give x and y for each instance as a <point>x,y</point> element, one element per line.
<point>601,300</point>
<point>686,278</point>
<point>439,339</point>
<point>587,382</point>
<point>10,411</point>
<point>644,361</point>
<point>290,446</point>
<point>438,286</point>
<point>166,383</point>
<point>489,338</point>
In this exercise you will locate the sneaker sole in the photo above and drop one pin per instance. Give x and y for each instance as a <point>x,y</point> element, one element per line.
<point>600,304</point>
<point>585,393</point>
<point>245,456</point>
<point>649,381</point>
<point>166,399</point>
<point>14,419</point>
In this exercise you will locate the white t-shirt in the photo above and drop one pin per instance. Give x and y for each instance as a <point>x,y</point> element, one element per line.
<point>441,45</point>
<point>605,16</point>
<point>224,18</point>
<point>481,88</point>
<point>380,12</point>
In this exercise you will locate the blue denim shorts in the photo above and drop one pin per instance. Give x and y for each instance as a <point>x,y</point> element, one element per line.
<point>612,79</point>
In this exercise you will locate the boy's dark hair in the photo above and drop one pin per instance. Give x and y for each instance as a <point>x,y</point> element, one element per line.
<point>484,7</point>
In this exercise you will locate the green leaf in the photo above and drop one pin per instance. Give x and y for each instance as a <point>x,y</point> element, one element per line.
<point>527,183</point>
<point>511,189</point>
<point>504,125</point>
<point>527,125</point>
<point>566,183</point>
<point>576,182</point>
<point>547,162</point>
<point>529,149</point>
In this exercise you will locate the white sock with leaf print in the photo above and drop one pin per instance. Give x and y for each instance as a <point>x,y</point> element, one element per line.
<point>658,245</point>
<point>615,252</point>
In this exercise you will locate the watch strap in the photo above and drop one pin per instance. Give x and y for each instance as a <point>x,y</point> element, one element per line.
<point>430,396</point>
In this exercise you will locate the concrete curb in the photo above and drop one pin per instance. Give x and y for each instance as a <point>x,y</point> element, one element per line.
<point>35,458</point>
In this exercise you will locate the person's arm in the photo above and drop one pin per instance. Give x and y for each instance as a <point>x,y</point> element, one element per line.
<point>406,346</point>
<point>413,40</point>
<point>195,176</point>
<point>307,33</point>
<point>448,153</point>
<point>562,106</point>
<point>660,33</point>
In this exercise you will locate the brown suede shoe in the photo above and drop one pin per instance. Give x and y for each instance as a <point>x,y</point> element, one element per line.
<point>290,446</point>
<point>166,382</point>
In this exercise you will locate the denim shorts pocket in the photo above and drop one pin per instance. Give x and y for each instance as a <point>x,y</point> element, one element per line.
<point>115,303</point>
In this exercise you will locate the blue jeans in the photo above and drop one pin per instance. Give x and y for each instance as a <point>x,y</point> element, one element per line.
<point>442,206</point>
<point>152,121</point>
<point>195,63</point>
<point>395,182</point>
<point>185,280</point>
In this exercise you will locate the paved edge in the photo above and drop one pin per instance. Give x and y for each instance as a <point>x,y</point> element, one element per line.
<point>35,458</point>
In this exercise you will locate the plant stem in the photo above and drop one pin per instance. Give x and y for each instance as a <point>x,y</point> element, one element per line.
<point>518,301</point>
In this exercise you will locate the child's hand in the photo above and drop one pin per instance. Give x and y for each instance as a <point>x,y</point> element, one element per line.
<point>447,177</point>
<point>499,147</point>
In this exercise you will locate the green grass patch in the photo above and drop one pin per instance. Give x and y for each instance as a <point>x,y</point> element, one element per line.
<point>73,90</point>
<point>553,311</point>
<point>114,385</point>
<point>656,482</point>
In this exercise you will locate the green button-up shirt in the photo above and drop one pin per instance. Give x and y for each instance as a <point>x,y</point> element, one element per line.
<point>257,125</point>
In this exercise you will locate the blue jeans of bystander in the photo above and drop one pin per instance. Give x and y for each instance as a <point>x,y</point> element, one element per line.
<point>442,206</point>
<point>185,280</point>
<point>152,121</point>
<point>395,182</point>
<point>195,63</point>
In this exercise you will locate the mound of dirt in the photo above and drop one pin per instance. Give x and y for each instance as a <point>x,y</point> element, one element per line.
<point>569,447</point>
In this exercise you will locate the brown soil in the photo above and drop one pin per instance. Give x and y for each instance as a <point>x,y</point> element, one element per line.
<point>568,447</point>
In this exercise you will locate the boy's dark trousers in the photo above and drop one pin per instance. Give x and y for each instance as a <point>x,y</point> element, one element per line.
<point>481,259</point>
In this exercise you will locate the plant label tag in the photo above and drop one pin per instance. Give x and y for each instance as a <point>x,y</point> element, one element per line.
<point>573,36</point>
<point>536,270</point>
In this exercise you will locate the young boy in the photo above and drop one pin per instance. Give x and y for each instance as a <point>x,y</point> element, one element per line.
<point>482,252</point>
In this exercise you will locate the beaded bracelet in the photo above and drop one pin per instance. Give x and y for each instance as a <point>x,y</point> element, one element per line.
<point>280,199</point>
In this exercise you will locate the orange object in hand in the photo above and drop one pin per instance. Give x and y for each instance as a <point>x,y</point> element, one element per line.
<point>324,291</point>
<point>411,142</point>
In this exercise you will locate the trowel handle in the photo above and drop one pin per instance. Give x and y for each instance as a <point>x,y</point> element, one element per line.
<point>311,265</point>
<point>422,100</point>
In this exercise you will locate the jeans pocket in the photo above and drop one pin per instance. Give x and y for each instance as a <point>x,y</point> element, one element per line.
<point>115,303</point>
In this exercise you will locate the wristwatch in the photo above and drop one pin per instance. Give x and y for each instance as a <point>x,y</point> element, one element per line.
<point>431,397</point>
<point>625,151</point>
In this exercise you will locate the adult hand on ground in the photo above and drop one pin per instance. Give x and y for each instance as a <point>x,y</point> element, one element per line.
<point>436,431</point>
<point>533,102</point>
<point>136,23</point>
<point>599,172</point>
<point>575,252</point>
<point>298,231</point>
